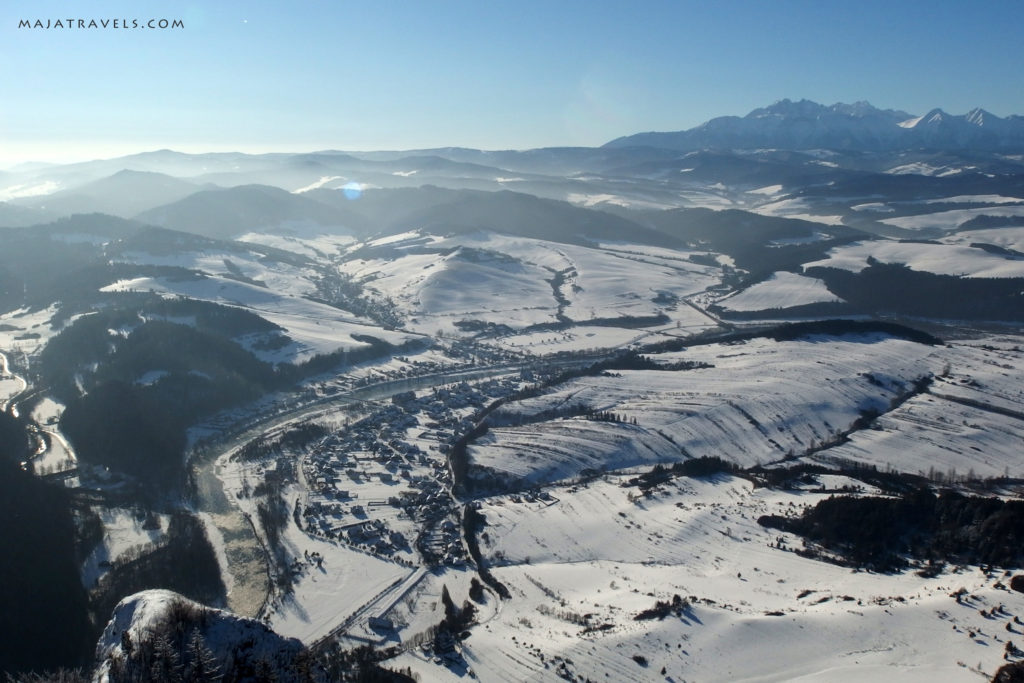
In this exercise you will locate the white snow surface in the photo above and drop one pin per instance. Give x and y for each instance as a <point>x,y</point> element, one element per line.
<point>761,401</point>
<point>581,566</point>
<point>322,597</point>
<point>122,531</point>
<point>951,219</point>
<point>227,636</point>
<point>781,290</point>
<point>509,280</point>
<point>314,328</point>
<point>1008,238</point>
<point>942,259</point>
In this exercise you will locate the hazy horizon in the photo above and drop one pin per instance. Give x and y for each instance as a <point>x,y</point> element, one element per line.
<point>484,76</point>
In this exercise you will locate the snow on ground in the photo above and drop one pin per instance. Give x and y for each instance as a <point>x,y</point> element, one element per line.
<point>583,565</point>
<point>47,411</point>
<point>952,219</point>
<point>798,208</point>
<point>975,199</point>
<point>581,338</point>
<point>58,456</point>
<point>942,259</point>
<point>1008,238</point>
<point>314,328</point>
<point>504,280</point>
<point>324,593</point>
<point>10,386</point>
<point>762,401</point>
<point>315,245</point>
<point>879,207</point>
<point>30,189</point>
<point>123,531</point>
<point>319,183</point>
<point>278,276</point>
<point>921,168</point>
<point>781,290</point>
<point>970,423</point>
<point>704,199</point>
<point>591,200</point>
<point>25,332</point>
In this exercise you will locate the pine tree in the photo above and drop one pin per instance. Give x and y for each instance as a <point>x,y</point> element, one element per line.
<point>202,664</point>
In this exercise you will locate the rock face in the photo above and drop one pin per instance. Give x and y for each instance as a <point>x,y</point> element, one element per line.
<point>159,635</point>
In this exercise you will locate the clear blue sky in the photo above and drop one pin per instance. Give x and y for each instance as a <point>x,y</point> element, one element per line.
<point>374,74</point>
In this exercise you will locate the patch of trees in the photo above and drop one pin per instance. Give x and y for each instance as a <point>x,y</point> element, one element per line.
<point>148,341</point>
<point>883,533</point>
<point>38,267</point>
<point>663,608</point>
<point>627,321</point>
<point>799,330</point>
<point>749,237</point>
<point>185,564</point>
<point>296,438</point>
<point>823,309</point>
<point>704,466</point>
<point>483,328</point>
<point>362,665</point>
<point>344,292</point>
<point>15,443</point>
<point>895,288</point>
<point>139,429</point>
<point>44,618</point>
<point>1010,673</point>
<point>893,482</point>
<point>375,348</point>
<point>473,521</point>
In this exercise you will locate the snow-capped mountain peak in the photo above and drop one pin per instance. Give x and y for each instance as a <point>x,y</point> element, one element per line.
<point>803,124</point>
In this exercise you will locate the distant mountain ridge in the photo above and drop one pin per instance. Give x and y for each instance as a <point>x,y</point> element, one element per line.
<point>858,126</point>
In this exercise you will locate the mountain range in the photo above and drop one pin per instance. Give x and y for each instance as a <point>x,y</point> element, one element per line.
<point>859,126</point>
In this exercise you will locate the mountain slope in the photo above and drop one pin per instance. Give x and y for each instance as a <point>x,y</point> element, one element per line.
<point>860,126</point>
<point>124,194</point>
<point>227,213</point>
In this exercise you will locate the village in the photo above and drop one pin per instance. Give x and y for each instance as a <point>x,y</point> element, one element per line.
<point>383,484</point>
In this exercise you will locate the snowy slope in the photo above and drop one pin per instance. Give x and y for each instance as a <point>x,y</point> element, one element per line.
<point>313,327</point>
<point>781,290</point>
<point>762,401</point>
<point>583,565</point>
<point>515,281</point>
<point>234,644</point>
<point>943,259</point>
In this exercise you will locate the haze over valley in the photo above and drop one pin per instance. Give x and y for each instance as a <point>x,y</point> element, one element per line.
<point>738,402</point>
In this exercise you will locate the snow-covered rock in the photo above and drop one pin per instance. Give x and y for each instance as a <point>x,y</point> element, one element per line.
<point>158,632</point>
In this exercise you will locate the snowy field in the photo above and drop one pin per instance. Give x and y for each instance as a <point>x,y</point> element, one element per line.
<point>314,328</point>
<point>324,593</point>
<point>518,282</point>
<point>781,290</point>
<point>942,259</point>
<point>1008,238</point>
<point>761,402</point>
<point>947,221</point>
<point>581,568</point>
<point>970,423</point>
<point>275,275</point>
<point>798,208</point>
<point>24,332</point>
<point>123,531</point>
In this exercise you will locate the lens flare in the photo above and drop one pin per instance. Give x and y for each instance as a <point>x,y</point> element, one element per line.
<point>352,190</point>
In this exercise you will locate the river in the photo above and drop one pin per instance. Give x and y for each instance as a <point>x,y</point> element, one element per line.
<point>244,562</point>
